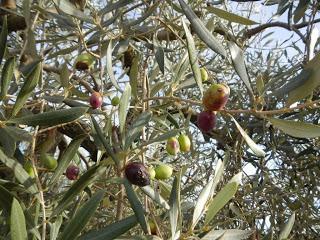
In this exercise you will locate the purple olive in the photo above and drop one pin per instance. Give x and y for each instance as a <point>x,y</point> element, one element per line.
<point>137,174</point>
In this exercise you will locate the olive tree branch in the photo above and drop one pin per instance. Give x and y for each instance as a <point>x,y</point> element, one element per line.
<point>314,104</point>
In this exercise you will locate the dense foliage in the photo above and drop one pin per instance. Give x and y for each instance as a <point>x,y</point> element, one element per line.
<point>89,87</point>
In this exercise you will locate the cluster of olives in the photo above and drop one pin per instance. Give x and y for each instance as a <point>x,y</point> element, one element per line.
<point>84,62</point>
<point>214,99</point>
<point>174,145</point>
<point>138,174</point>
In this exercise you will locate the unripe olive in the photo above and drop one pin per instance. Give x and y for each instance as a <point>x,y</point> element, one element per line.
<point>115,101</point>
<point>48,161</point>
<point>216,97</point>
<point>152,173</point>
<point>96,100</point>
<point>204,74</point>
<point>163,171</point>
<point>72,172</point>
<point>184,142</point>
<point>29,169</point>
<point>206,121</point>
<point>84,61</point>
<point>137,174</point>
<point>173,146</point>
<point>153,228</point>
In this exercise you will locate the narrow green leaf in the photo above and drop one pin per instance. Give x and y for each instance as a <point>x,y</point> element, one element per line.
<point>156,88</point>
<point>165,136</point>
<point>26,5</point>
<point>136,205</point>
<point>124,106</point>
<point>160,58</point>
<point>239,64</point>
<point>6,198</point>
<point>296,129</point>
<point>66,158</point>
<point>253,146</point>
<point>206,194</point>
<point>21,175</point>
<point>27,88</point>
<point>228,234</point>
<point>282,6</point>
<point>284,234</point>
<point>69,8</point>
<point>203,33</point>
<point>114,5</point>
<point>112,231</point>
<point>136,128</point>
<point>7,76</point>
<point>174,203</point>
<point>51,118</point>
<point>149,11</point>
<point>109,67</point>
<point>134,74</point>
<point>180,70</point>
<point>223,197</point>
<point>87,178</point>
<point>230,16</point>
<point>18,230</point>
<point>18,134</point>
<point>7,142</point>
<point>299,12</point>
<point>193,59</point>
<point>306,87</point>
<point>64,76</point>
<point>55,227</point>
<point>104,141</point>
<point>155,196</point>
<point>3,37</point>
<point>82,217</point>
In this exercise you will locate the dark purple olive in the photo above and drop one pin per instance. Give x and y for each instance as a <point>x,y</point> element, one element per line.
<point>72,172</point>
<point>137,174</point>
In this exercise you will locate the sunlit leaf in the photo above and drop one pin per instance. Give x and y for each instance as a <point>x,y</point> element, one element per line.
<point>203,33</point>
<point>124,106</point>
<point>69,8</point>
<point>174,203</point>
<point>295,128</point>
<point>7,76</point>
<point>229,234</point>
<point>206,194</point>
<point>18,229</point>
<point>239,64</point>
<point>284,234</point>
<point>230,16</point>
<point>155,196</point>
<point>193,59</point>
<point>253,146</point>
<point>109,67</point>
<point>223,197</point>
